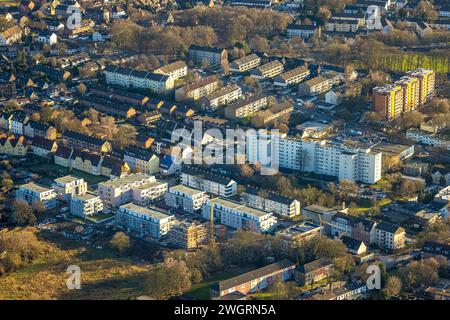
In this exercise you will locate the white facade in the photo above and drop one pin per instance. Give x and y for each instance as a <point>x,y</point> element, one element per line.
<point>320,157</point>
<point>144,221</point>
<point>138,187</point>
<point>32,192</point>
<point>239,216</point>
<point>220,186</point>
<point>69,186</point>
<point>431,139</point>
<point>85,205</point>
<point>185,198</point>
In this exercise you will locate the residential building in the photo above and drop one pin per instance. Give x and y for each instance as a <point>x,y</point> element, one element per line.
<point>144,221</point>
<point>268,70</point>
<point>47,37</point>
<point>10,36</point>
<point>427,138</point>
<point>76,140</point>
<point>126,77</point>
<point>223,96</point>
<point>411,93</point>
<point>13,146</point>
<point>347,162</point>
<point>43,147</point>
<point>39,129</point>
<point>252,3</point>
<point>69,186</point>
<point>354,246</point>
<point>302,31</point>
<point>188,235</point>
<point>342,26</point>
<point>63,156</point>
<point>348,291</point>
<point>85,205</point>
<point>118,191</point>
<point>255,280</point>
<point>86,161</point>
<point>440,176</point>
<point>262,119</point>
<point>175,70</point>
<point>239,216</point>
<point>437,250</point>
<point>34,193</point>
<point>245,63</point>
<point>208,55</point>
<point>312,272</point>
<point>214,184</point>
<point>293,76</point>
<point>316,86</point>
<point>390,236</point>
<point>271,202</point>
<point>197,89</point>
<point>358,228</point>
<point>185,198</point>
<point>320,216</point>
<point>141,160</point>
<point>246,107</point>
<point>18,122</point>
<point>298,234</point>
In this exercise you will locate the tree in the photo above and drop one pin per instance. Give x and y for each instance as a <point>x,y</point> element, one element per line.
<point>168,278</point>
<point>81,88</point>
<point>393,287</point>
<point>120,241</point>
<point>22,213</point>
<point>279,289</point>
<point>38,207</point>
<point>126,135</point>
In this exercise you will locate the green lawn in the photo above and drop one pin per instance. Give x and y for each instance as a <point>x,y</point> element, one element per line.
<point>100,217</point>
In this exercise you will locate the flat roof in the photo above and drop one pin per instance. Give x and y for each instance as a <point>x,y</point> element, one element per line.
<point>145,211</point>
<point>67,179</point>
<point>150,185</point>
<point>125,180</point>
<point>186,189</point>
<point>86,196</point>
<point>35,187</point>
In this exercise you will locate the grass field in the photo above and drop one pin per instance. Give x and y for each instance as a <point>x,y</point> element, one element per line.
<point>104,274</point>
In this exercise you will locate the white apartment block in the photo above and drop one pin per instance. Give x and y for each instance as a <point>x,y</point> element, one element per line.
<point>246,63</point>
<point>268,70</point>
<point>197,89</point>
<point>222,96</point>
<point>183,197</point>
<point>218,185</point>
<point>318,156</point>
<point>143,160</point>
<point>134,187</point>
<point>32,192</point>
<point>246,107</point>
<point>144,221</point>
<point>271,202</point>
<point>85,205</point>
<point>427,138</point>
<point>239,216</point>
<point>389,236</point>
<point>69,186</point>
<point>125,77</point>
<point>175,70</point>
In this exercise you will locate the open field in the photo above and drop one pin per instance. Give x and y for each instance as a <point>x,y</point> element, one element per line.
<point>104,274</point>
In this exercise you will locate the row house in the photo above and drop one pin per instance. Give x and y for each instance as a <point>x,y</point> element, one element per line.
<point>14,146</point>
<point>39,129</point>
<point>43,147</point>
<point>255,280</point>
<point>223,96</point>
<point>239,216</point>
<point>272,114</point>
<point>245,63</point>
<point>119,95</point>
<point>344,26</point>
<point>312,272</point>
<point>33,193</point>
<point>293,76</point>
<point>86,161</point>
<point>185,198</point>
<point>431,139</point>
<point>440,176</point>
<point>436,250</point>
<point>214,184</point>
<point>81,141</point>
<point>316,86</point>
<point>144,221</point>
<point>271,202</point>
<point>108,107</point>
<point>139,187</point>
<point>268,70</point>
<point>197,89</point>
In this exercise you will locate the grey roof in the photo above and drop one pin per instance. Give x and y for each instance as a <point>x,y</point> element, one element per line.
<point>314,265</point>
